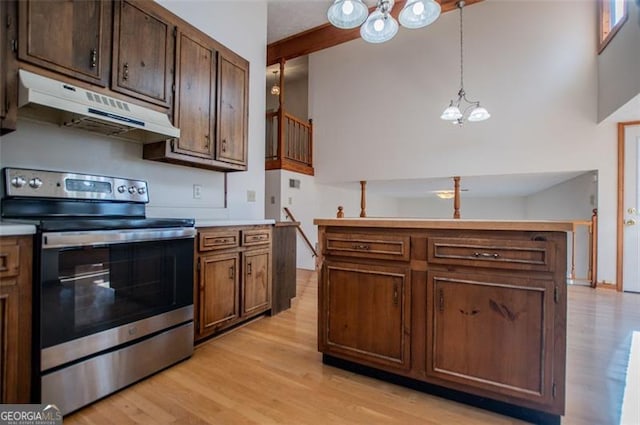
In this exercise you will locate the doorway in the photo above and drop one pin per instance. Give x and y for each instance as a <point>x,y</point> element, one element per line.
<point>628,207</point>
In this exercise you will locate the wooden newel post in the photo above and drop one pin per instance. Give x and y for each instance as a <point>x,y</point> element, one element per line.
<point>281,150</point>
<point>340,213</point>
<point>363,198</point>
<point>456,197</point>
<point>594,248</point>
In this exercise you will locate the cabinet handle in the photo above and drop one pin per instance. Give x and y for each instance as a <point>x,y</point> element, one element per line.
<point>395,294</point>
<point>93,58</point>
<point>206,145</point>
<point>232,272</point>
<point>248,268</point>
<point>220,241</point>
<point>224,145</point>
<point>441,300</point>
<point>125,71</point>
<point>486,254</point>
<point>361,246</point>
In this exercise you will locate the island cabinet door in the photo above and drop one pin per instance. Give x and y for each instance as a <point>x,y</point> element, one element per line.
<point>219,291</point>
<point>365,314</point>
<point>492,334</point>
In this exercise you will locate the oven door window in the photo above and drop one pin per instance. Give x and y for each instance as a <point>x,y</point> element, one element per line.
<point>90,289</point>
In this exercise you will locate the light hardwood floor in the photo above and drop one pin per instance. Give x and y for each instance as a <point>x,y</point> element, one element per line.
<point>269,372</point>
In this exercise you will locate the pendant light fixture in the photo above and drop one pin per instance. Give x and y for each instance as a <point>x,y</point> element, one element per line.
<point>275,89</point>
<point>380,26</point>
<point>471,110</point>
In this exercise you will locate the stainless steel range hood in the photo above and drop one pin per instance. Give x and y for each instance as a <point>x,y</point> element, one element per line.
<point>45,99</point>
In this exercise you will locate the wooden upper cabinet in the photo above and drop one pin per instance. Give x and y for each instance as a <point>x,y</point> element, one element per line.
<point>233,77</point>
<point>71,37</point>
<point>143,53</point>
<point>3,63</point>
<point>195,96</point>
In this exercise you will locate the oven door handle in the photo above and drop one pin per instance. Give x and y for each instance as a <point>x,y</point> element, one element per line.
<point>52,240</point>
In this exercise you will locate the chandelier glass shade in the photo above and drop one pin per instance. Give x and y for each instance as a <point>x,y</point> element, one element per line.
<point>380,26</point>
<point>462,109</point>
<point>275,89</point>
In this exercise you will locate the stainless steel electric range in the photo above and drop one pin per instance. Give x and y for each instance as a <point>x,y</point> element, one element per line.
<point>113,289</point>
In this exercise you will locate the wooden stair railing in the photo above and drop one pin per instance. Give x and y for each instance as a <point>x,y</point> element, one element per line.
<point>299,227</point>
<point>289,143</point>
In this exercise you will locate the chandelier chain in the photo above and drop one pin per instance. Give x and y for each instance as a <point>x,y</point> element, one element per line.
<point>461,5</point>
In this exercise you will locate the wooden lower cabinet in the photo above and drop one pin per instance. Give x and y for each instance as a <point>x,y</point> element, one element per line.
<point>493,333</point>
<point>234,280</point>
<point>366,313</point>
<point>15,319</point>
<point>219,291</point>
<point>478,311</point>
<point>256,287</point>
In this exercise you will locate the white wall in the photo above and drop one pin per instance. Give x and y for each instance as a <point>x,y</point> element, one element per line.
<point>619,65</point>
<point>574,199</point>
<point>241,26</point>
<point>296,98</point>
<point>382,102</point>
<point>507,208</point>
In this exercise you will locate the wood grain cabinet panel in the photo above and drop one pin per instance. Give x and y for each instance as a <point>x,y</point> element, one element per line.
<point>256,285</point>
<point>219,290</point>
<point>495,253</point>
<point>368,245</point>
<point>256,237</point>
<point>15,319</point>
<point>233,83</point>
<point>366,314</point>
<point>70,37</point>
<point>195,97</point>
<point>492,332</point>
<point>143,53</point>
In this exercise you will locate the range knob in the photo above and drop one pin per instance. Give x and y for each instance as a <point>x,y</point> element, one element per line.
<point>35,182</point>
<point>132,190</point>
<point>18,181</point>
<point>142,190</point>
<point>122,189</point>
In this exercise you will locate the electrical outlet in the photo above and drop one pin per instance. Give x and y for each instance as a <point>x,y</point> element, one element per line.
<point>197,191</point>
<point>273,200</point>
<point>290,200</point>
<point>251,196</point>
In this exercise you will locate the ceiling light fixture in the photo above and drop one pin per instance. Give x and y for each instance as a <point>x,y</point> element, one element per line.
<point>380,26</point>
<point>472,110</point>
<point>445,194</point>
<point>275,89</point>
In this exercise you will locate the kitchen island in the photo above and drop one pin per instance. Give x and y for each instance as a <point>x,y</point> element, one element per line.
<point>473,310</point>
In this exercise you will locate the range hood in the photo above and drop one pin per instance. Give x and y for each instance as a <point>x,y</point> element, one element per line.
<point>45,99</point>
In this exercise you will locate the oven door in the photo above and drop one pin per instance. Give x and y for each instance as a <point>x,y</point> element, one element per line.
<point>94,285</point>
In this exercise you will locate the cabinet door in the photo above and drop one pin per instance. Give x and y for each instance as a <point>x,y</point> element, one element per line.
<point>195,97</point>
<point>71,37</point>
<point>143,53</point>
<point>492,332</point>
<point>365,313</point>
<point>219,296</point>
<point>256,286</point>
<point>232,111</point>
<point>15,319</point>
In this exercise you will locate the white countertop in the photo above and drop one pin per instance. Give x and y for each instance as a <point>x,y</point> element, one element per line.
<point>11,229</point>
<point>221,223</point>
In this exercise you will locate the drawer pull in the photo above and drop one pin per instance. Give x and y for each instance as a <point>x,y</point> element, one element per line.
<point>220,240</point>
<point>361,246</point>
<point>486,255</point>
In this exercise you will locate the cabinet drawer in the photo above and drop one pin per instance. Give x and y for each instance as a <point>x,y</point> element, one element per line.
<point>368,245</point>
<point>495,253</point>
<point>9,260</point>
<point>256,237</point>
<point>218,239</point>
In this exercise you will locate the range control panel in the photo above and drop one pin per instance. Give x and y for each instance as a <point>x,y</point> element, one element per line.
<point>21,182</point>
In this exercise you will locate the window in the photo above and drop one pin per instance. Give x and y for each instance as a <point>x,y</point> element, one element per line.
<point>612,14</point>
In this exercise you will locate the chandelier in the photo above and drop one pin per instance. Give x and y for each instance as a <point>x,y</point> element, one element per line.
<point>275,89</point>
<point>380,26</point>
<point>471,110</point>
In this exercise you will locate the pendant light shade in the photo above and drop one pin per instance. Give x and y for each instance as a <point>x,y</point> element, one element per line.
<point>479,114</point>
<point>451,113</point>
<point>347,14</point>
<point>379,27</point>
<point>419,13</point>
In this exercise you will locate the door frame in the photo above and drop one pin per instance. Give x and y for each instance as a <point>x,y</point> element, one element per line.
<point>622,127</point>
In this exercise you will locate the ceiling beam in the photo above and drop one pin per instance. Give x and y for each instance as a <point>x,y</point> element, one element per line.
<point>326,35</point>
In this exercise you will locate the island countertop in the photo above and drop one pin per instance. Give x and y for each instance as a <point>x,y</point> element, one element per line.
<point>461,224</point>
